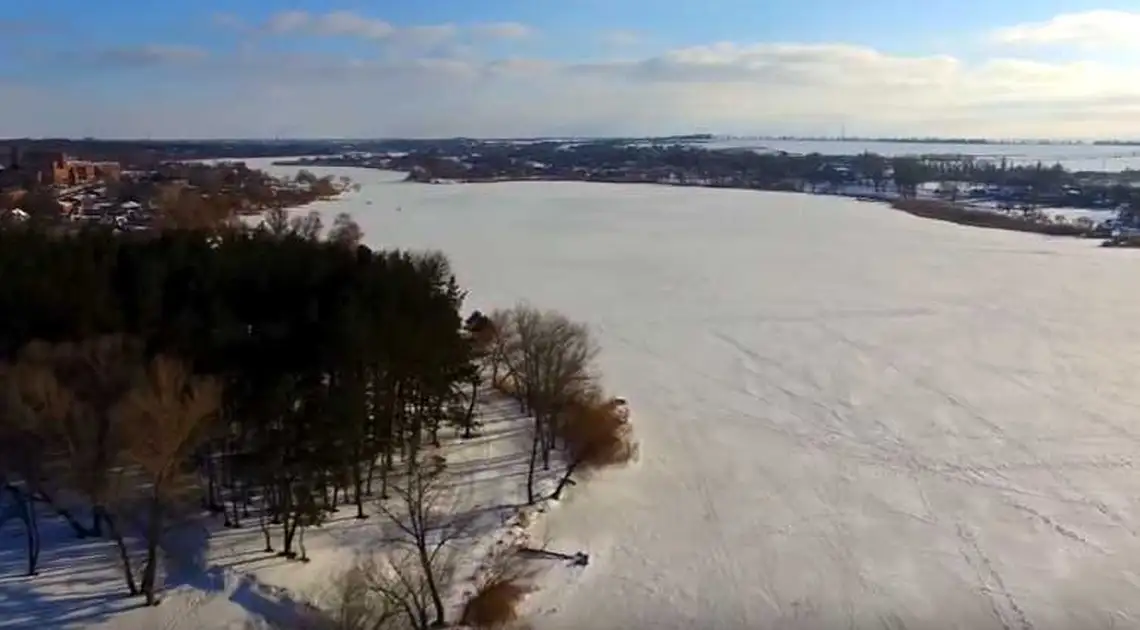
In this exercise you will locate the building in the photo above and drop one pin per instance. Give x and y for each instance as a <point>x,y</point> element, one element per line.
<point>59,169</point>
<point>63,170</point>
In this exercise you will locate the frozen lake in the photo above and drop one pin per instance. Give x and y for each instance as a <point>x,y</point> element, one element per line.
<point>849,416</point>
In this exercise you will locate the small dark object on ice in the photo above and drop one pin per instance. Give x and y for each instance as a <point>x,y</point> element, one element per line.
<point>579,559</point>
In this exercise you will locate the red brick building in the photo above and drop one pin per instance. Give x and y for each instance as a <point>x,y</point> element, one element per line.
<point>60,169</point>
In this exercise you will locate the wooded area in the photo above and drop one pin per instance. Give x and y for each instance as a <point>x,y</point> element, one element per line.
<point>268,376</point>
<point>285,369</point>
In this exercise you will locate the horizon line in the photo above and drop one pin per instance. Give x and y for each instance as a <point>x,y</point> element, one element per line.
<point>590,138</point>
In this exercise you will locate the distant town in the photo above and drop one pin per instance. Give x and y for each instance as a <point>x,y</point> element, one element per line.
<point>55,188</point>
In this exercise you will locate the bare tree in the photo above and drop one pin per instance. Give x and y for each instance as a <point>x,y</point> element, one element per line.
<point>164,417</point>
<point>358,599</point>
<point>493,339</point>
<point>308,226</point>
<point>276,222</point>
<point>428,529</point>
<point>402,594</point>
<point>345,231</point>
<point>98,372</point>
<point>550,358</point>
<point>23,451</point>
<point>71,389</point>
<point>467,418</point>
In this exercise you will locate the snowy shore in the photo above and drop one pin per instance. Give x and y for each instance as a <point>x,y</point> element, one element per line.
<point>218,578</point>
<point>850,417</point>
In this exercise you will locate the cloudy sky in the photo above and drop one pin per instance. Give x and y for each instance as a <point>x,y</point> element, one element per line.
<point>357,68</point>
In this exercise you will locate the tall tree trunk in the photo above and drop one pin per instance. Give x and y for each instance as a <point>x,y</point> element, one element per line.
<point>154,532</point>
<point>27,515</point>
<point>287,535</point>
<point>532,466</point>
<point>371,472</point>
<point>263,521</point>
<point>547,432</point>
<point>358,486</point>
<point>124,553</point>
<point>469,417</point>
<point>98,514</point>
<point>433,588</point>
<point>236,499</point>
<point>385,467</point>
<point>565,480</point>
<point>32,529</point>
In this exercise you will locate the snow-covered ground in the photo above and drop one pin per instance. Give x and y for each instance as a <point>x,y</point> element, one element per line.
<point>848,416</point>
<point>220,579</point>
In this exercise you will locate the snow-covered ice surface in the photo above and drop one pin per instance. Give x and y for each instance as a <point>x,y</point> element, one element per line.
<point>848,416</point>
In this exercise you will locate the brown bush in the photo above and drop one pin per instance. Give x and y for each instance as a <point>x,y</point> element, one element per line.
<point>499,592</point>
<point>596,432</point>
<point>495,604</point>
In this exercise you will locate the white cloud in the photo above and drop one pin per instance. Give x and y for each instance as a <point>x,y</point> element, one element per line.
<point>349,24</point>
<point>150,55</point>
<point>334,24</point>
<point>502,30</point>
<point>728,88</point>
<point>413,40</point>
<point>1091,29</point>
<point>228,21</point>
<point>622,38</point>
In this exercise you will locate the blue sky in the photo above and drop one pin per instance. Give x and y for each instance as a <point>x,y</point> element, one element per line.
<point>682,60</point>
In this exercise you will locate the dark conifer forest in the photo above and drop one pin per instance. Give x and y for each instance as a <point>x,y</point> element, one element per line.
<point>285,371</point>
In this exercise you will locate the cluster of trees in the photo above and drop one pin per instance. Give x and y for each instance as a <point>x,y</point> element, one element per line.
<point>289,373</point>
<point>545,362</point>
<point>199,196</point>
<point>271,377</point>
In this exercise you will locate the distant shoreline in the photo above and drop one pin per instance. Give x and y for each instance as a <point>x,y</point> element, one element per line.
<point>941,210</point>
<point>936,209</point>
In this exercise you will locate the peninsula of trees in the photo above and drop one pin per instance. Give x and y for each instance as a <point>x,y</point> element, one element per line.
<point>271,377</point>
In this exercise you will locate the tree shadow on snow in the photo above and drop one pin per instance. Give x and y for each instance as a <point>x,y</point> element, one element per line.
<point>26,606</point>
<point>274,607</point>
<point>78,581</point>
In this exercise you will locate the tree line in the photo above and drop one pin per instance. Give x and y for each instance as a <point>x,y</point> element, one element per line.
<point>269,376</point>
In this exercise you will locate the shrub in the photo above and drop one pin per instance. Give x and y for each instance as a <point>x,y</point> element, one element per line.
<point>495,604</point>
